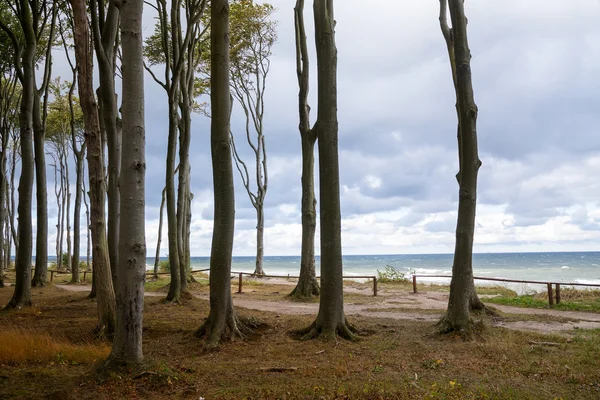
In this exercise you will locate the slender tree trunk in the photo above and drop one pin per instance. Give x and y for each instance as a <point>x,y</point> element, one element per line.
<point>331,319</point>
<point>3,206</point>
<point>102,275</point>
<point>182,193</point>
<point>105,33</point>
<point>59,218</point>
<point>222,321</point>
<point>77,215</point>
<point>68,209</point>
<point>159,240</point>
<point>463,297</point>
<point>13,208</point>
<point>22,294</point>
<point>307,283</point>
<point>63,211</point>
<point>41,252</point>
<point>172,228</point>
<point>260,234</point>
<point>127,345</point>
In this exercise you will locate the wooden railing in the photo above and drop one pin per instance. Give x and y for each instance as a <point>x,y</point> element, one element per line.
<point>241,274</point>
<point>551,295</point>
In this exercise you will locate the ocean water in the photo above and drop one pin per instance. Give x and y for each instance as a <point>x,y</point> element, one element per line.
<point>572,267</point>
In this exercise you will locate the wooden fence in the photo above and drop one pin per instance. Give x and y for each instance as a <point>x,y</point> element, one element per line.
<point>551,296</point>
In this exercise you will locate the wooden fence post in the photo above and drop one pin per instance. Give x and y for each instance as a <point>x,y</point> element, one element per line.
<point>240,284</point>
<point>550,296</point>
<point>374,286</point>
<point>558,293</point>
<point>51,276</point>
<point>414,284</point>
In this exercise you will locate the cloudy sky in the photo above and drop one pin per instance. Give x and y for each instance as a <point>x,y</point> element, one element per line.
<point>535,73</point>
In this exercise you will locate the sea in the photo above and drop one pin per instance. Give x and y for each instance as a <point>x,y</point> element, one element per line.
<point>567,267</point>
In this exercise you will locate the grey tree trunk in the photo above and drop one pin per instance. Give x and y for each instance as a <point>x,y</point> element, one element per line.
<point>260,234</point>
<point>307,283</point>
<point>105,26</point>
<point>462,289</point>
<point>41,248</point>
<point>39,133</point>
<point>331,320</point>
<point>159,240</point>
<point>222,321</point>
<point>25,67</point>
<point>174,259</point>
<point>105,293</point>
<point>76,216</point>
<point>4,234</point>
<point>127,344</point>
<point>183,187</point>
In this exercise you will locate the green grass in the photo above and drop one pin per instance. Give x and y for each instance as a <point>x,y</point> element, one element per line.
<point>538,301</point>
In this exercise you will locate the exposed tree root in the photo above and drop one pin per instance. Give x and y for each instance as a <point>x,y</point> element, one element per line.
<point>466,331</point>
<point>216,330</point>
<point>330,332</point>
<point>38,282</point>
<point>305,290</point>
<point>17,305</point>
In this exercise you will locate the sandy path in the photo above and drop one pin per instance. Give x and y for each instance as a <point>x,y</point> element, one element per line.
<point>402,305</point>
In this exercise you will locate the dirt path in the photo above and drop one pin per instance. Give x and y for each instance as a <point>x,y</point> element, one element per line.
<point>424,306</point>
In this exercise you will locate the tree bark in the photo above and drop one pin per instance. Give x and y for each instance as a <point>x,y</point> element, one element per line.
<point>159,240</point>
<point>39,133</point>
<point>222,321</point>
<point>463,297</point>
<point>26,70</point>
<point>307,283</point>
<point>260,234</point>
<point>127,344</point>
<point>331,320</point>
<point>174,259</point>
<point>105,294</point>
<point>76,216</point>
<point>4,238</point>
<point>104,32</point>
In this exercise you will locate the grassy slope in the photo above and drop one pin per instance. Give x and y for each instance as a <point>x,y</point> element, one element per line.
<point>394,359</point>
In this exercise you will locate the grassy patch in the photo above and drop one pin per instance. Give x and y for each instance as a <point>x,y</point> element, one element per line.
<point>396,359</point>
<point>571,300</point>
<point>22,346</point>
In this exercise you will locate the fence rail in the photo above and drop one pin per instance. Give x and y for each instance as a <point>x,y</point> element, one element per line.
<point>551,296</point>
<point>239,274</point>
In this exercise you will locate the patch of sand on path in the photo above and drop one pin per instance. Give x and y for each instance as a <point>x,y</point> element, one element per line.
<point>403,305</point>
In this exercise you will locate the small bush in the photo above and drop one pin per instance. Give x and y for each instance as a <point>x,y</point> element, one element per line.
<point>391,275</point>
<point>164,266</point>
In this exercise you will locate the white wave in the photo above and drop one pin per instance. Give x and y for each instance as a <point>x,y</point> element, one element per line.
<point>588,281</point>
<point>565,267</point>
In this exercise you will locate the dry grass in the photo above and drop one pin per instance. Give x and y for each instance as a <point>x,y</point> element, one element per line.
<point>394,359</point>
<point>19,345</point>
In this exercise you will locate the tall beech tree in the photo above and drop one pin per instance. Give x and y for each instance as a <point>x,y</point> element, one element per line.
<point>40,112</point>
<point>21,26</point>
<point>127,344</point>
<point>175,44</point>
<point>103,283</point>
<point>253,35</point>
<point>9,95</point>
<point>105,27</point>
<point>222,321</point>
<point>78,146</point>
<point>463,297</point>
<point>330,320</point>
<point>307,283</point>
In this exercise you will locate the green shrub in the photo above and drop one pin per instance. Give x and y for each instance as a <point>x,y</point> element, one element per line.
<point>164,266</point>
<point>391,275</point>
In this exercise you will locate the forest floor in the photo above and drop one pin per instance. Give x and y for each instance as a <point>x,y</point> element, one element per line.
<point>49,351</point>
